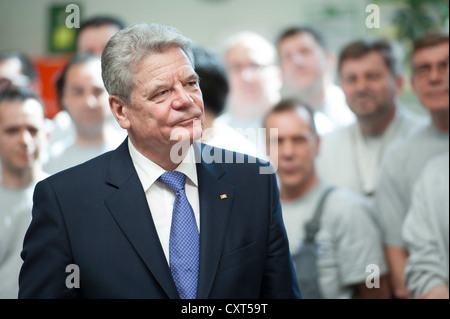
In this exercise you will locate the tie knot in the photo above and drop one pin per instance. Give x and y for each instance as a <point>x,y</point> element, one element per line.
<point>175,180</point>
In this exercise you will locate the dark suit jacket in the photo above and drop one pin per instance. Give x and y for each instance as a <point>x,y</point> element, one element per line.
<point>96,216</point>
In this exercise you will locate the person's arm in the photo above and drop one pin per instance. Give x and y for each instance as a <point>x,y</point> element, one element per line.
<point>391,202</point>
<point>46,250</point>
<point>425,232</point>
<point>396,258</point>
<point>280,281</point>
<point>437,292</point>
<point>382,292</point>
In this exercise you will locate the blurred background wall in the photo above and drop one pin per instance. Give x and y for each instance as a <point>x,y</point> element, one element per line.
<point>29,25</point>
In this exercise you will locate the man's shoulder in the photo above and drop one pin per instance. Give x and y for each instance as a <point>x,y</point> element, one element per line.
<point>403,149</point>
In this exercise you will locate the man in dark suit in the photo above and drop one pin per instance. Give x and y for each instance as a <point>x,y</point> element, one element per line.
<point>105,228</point>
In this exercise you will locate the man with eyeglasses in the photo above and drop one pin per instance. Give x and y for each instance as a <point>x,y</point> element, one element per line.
<point>255,84</point>
<point>404,162</point>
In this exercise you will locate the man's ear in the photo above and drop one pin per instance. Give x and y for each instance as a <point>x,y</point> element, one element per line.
<point>117,107</point>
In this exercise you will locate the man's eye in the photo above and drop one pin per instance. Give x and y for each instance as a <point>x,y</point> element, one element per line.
<point>162,93</point>
<point>11,131</point>
<point>77,91</point>
<point>33,131</point>
<point>349,79</point>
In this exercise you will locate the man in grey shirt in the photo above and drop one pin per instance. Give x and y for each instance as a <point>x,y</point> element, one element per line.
<point>425,232</point>
<point>22,140</point>
<point>371,81</point>
<point>348,241</point>
<point>83,95</point>
<point>404,161</point>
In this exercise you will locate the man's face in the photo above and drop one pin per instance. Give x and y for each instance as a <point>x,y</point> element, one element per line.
<point>303,61</point>
<point>85,97</point>
<point>94,39</point>
<point>22,134</point>
<point>167,103</point>
<point>297,147</point>
<point>253,80</point>
<point>368,84</point>
<point>430,77</point>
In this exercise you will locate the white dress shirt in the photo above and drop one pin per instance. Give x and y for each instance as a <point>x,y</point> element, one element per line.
<point>160,197</point>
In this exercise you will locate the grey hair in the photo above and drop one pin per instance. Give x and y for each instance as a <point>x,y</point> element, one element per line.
<point>129,46</point>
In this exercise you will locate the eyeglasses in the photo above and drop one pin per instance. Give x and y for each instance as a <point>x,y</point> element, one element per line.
<point>253,68</point>
<point>424,70</point>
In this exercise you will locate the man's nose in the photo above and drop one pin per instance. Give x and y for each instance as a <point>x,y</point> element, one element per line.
<point>248,74</point>
<point>437,75</point>
<point>91,101</point>
<point>182,99</point>
<point>286,149</point>
<point>361,84</point>
<point>26,138</point>
<point>298,59</point>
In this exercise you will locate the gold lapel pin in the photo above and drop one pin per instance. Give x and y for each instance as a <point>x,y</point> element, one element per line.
<point>223,196</point>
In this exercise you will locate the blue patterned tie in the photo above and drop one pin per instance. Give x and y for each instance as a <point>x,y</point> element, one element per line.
<point>184,241</point>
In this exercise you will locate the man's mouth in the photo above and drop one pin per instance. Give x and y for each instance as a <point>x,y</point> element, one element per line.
<point>437,93</point>
<point>189,121</point>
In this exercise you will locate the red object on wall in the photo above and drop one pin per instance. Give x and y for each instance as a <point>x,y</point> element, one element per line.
<point>49,68</point>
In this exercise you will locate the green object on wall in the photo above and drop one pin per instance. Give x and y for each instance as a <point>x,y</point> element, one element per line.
<point>62,34</point>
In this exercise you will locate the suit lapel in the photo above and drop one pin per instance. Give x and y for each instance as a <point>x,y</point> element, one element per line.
<point>128,206</point>
<point>214,215</point>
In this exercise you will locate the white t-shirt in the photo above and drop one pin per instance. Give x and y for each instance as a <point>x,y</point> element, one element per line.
<point>350,160</point>
<point>251,129</point>
<point>66,153</point>
<point>426,229</point>
<point>399,170</point>
<point>348,239</point>
<point>15,217</point>
<point>224,136</point>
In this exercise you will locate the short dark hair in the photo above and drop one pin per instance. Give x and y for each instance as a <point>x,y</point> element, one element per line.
<point>99,21</point>
<point>303,29</point>
<point>61,79</point>
<point>213,79</point>
<point>27,65</point>
<point>21,94</point>
<point>293,104</point>
<point>359,48</point>
<point>429,40</point>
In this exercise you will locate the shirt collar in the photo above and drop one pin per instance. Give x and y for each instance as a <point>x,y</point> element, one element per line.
<point>148,171</point>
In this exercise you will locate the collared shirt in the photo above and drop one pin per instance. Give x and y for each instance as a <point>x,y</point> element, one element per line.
<point>160,198</point>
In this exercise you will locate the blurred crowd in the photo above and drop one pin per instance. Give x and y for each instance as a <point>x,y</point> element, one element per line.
<point>343,146</point>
